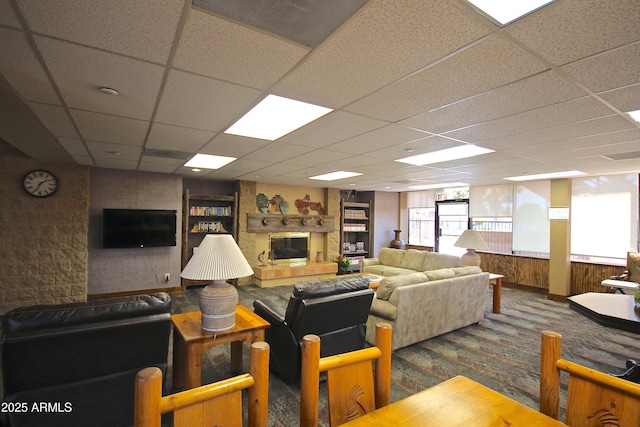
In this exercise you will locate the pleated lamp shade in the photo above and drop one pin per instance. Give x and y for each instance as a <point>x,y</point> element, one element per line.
<point>471,240</point>
<point>218,258</point>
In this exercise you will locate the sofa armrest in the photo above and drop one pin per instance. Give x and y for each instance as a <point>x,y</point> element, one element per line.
<point>269,311</point>
<point>368,261</point>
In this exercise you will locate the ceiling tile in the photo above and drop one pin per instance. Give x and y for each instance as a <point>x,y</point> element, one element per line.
<point>494,61</point>
<point>568,30</point>
<point>113,25</point>
<point>595,72</point>
<point>331,128</point>
<point>22,69</point>
<point>214,47</point>
<point>56,119</point>
<point>79,71</point>
<point>624,99</point>
<point>74,146</point>
<point>203,103</point>
<point>7,15</point>
<point>573,111</point>
<point>530,93</point>
<point>278,152</point>
<point>177,138</point>
<point>232,145</point>
<point>110,129</point>
<point>404,36</point>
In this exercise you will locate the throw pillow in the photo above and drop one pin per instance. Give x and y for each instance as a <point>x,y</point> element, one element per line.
<point>442,273</point>
<point>470,269</point>
<point>388,284</point>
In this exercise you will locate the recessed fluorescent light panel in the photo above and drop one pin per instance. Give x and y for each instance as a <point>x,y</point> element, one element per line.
<point>635,115</point>
<point>276,116</point>
<point>333,176</point>
<point>507,11</point>
<point>208,161</point>
<point>455,153</point>
<point>434,186</point>
<point>552,175</point>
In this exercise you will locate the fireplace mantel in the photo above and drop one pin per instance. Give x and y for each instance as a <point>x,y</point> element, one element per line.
<point>269,223</point>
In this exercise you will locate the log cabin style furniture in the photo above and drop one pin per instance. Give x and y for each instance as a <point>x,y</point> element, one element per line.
<point>593,398</point>
<point>82,356</point>
<point>458,402</point>
<point>217,404</point>
<point>190,340</point>
<point>335,309</point>
<point>351,388</point>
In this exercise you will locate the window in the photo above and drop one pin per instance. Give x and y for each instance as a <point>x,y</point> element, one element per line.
<point>422,226</point>
<point>604,218</point>
<point>422,218</point>
<point>490,209</point>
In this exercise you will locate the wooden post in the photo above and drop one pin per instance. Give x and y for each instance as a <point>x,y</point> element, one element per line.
<point>383,365</point>
<point>259,392</point>
<point>148,394</point>
<point>551,351</point>
<point>309,381</point>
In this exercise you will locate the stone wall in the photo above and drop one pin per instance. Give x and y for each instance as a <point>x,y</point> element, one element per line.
<point>43,243</point>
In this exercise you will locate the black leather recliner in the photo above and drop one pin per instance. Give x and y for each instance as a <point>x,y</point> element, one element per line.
<point>75,364</point>
<point>335,309</point>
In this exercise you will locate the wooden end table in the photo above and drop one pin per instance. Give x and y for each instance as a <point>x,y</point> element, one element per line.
<point>496,281</point>
<point>189,341</point>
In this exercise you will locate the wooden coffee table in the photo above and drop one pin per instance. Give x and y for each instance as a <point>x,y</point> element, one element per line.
<point>189,341</point>
<point>613,310</point>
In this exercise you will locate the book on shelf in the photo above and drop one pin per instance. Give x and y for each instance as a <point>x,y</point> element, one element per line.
<point>210,211</point>
<point>354,227</point>
<point>355,214</point>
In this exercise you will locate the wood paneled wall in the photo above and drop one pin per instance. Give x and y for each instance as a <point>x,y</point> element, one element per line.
<point>534,272</point>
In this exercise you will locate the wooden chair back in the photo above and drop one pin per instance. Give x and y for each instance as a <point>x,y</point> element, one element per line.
<point>593,398</point>
<point>218,404</point>
<point>351,388</point>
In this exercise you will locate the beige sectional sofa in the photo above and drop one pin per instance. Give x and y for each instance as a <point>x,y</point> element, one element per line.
<point>421,304</point>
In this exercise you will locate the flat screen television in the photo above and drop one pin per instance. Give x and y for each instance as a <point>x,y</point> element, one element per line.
<point>138,228</point>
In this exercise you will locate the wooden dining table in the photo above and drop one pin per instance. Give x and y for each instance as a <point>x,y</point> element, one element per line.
<point>459,401</point>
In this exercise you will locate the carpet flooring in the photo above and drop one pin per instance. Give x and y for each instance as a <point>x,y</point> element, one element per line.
<point>502,352</point>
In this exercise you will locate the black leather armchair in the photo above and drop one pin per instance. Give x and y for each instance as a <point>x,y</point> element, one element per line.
<point>335,309</point>
<point>75,364</point>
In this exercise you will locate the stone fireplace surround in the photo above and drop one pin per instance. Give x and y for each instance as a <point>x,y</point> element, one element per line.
<point>252,243</point>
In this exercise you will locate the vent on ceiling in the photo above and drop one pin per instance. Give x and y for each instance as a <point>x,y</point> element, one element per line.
<point>307,22</point>
<point>168,154</point>
<point>623,156</point>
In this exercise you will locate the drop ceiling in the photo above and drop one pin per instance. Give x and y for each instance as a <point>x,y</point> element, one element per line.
<point>547,92</point>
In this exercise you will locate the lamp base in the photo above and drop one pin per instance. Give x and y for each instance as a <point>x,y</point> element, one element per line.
<point>218,302</point>
<point>470,258</point>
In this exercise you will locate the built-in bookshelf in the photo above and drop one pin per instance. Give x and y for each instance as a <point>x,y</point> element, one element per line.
<point>355,230</point>
<point>206,214</point>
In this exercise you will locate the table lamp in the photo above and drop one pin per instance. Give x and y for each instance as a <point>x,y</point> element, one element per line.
<point>471,240</point>
<point>218,258</point>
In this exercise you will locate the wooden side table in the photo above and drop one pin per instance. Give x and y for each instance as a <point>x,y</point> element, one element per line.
<point>496,281</point>
<point>189,341</point>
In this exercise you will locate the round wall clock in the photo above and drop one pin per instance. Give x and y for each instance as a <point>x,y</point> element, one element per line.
<point>40,183</point>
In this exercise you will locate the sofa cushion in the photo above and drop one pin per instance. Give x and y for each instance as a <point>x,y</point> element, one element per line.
<point>388,284</point>
<point>383,309</point>
<point>442,273</point>
<point>391,257</point>
<point>436,261</point>
<point>469,269</point>
<point>413,259</point>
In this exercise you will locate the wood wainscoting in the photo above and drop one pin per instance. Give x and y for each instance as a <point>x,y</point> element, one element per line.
<point>534,272</point>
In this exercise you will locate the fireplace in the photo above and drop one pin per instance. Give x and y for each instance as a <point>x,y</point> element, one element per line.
<point>287,247</point>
